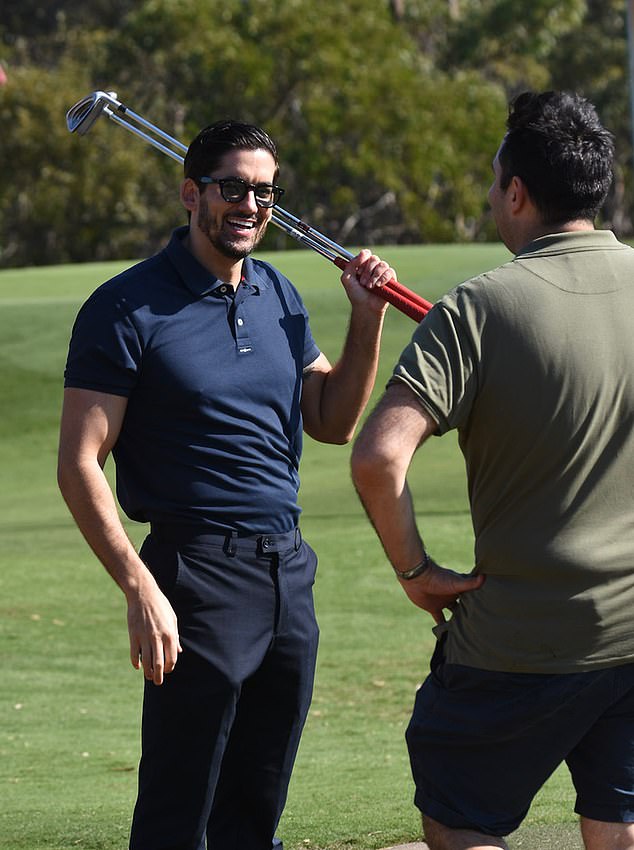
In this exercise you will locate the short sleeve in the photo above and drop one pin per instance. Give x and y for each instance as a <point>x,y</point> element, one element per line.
<point>311,349</point>
<point>441,363</point>
<point>105,347</point>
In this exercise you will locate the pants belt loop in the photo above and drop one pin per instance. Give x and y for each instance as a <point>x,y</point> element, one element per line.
<point>229,546</point>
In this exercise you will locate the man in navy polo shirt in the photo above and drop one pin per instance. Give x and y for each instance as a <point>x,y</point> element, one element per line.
<point>197,369</point>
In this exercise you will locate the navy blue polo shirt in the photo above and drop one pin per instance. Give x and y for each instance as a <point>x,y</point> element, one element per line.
<point>213,429</point>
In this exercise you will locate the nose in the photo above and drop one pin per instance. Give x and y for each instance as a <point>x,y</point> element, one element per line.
<point>248,202</point>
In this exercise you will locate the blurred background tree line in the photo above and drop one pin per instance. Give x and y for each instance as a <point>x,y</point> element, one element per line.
<point>387,113</point>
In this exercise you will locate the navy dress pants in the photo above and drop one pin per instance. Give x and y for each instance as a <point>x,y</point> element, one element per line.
<point>220,735</point>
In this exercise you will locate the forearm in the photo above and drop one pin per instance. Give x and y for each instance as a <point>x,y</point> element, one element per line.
<point>91,423</point>
<point>152,625</point>
<point>388,503</point>
<point>90,500</point>
<point>380,463</point>
<point>347,386</point>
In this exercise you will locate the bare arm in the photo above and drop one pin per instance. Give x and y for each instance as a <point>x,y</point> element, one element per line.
<point>334,397</point>
<point>90,426</point>
<point>380,461</point>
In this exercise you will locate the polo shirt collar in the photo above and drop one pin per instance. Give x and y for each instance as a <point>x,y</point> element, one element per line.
<point>196,277</point>
<point>572,240</point>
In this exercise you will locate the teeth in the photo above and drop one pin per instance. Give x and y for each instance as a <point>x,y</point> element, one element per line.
<point>241,222</point>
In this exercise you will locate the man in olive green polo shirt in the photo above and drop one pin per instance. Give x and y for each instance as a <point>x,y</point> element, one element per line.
<point>533,364</point>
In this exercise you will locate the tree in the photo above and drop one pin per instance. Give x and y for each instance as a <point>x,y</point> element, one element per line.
<point>574,65</point>
<point>577,45</point>
<point>65,198</point>
<point>346,92</point>
<point>32,20</point>
<point>387,114</point>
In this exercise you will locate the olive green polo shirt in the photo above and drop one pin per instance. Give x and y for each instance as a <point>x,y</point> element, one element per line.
<point>533,364</point>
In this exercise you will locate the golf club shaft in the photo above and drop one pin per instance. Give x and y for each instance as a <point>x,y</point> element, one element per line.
<point>154,142</point>
<point>340,256</point>
<point>393,292</point>
<point>85,112</point>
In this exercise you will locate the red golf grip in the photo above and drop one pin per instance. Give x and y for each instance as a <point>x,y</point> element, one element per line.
<point>404,299</point>
<point>416,310</point>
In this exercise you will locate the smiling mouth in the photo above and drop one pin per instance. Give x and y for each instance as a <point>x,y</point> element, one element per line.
<point>245,225</point>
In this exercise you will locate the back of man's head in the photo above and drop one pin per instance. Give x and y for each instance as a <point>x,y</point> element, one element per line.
<point>213,142</point>
<point>556,144</point>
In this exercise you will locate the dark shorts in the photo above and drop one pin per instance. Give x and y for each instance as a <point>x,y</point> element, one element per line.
<point>483,743</point>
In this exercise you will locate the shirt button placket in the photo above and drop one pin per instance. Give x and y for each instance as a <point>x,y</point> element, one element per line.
<point>242,335</point>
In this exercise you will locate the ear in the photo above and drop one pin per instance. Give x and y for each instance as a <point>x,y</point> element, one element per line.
<point>190,194</point>
<point>517,194</point>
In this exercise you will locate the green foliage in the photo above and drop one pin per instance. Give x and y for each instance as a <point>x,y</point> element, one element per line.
<point>387,112</point>
<point>63,197</point>
<point>38,20</point>
<point>364,144</point>
<point>575,66</point>
<point>511,39</point>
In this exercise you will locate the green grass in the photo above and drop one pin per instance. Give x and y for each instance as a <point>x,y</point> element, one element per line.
<point>69,701</point>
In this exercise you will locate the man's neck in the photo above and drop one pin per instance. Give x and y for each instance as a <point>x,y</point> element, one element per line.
<point>224,268</point>
<point>530,234</point>
<point>568,227</point>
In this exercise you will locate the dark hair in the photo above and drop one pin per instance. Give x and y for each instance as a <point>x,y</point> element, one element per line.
<point>556,144</point>
<point>213,142</point>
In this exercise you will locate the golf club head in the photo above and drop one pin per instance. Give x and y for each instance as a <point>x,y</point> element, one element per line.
<point>81,116</point>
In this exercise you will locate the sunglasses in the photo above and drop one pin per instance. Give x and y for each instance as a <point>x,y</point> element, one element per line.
<point>235,189</point>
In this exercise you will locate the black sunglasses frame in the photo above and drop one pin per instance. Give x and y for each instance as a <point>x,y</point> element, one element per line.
<point>246,187</point>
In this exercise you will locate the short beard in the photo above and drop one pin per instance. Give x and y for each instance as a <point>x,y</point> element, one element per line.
<point>223,246</point>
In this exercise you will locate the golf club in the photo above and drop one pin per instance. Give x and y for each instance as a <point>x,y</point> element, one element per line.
<point>81,117</point>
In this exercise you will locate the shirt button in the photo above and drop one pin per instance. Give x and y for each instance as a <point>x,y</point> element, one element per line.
<point>266,543</point>
<point>240,322</point>
<point>223,289</point>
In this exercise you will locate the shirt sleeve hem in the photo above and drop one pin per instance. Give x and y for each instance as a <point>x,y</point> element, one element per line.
<point>426,403</point>
<point>109,389</point>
